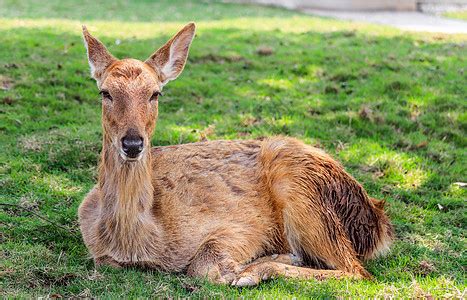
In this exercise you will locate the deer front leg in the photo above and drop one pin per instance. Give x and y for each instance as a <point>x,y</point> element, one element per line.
<point>213,264</point>
<point>257,272</point>
<point>288,259</point>
<point>107,261</point>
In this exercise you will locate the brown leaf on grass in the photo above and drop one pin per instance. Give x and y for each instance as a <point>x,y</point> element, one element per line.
<point>86,293</point>
<point>7,271</point>
<point>235,58</point>
<point>419,293</point>
<point>249,121</point>
<point>264,51</point>
<point>366,113</point>
<point>386,189</point>
<point>414,115</point>
<point>375,171</point>
<point>340,146</point>
<point>78,98</point>
<point>313,112</point>
<point>439,37</point>
<point>29,202</point>
<point>422,145</point>
<point>368,168</point>
<point>377,175</point>
<point>61,96</point>
<point>6,83</point>
<point>369,114</point>
<point>95,276</point>
<point>191,288</point>
<point>220,59</point>
<point>331,89</point>
<point>8,100</point>
<point>203,135</point>
<point>11,66</point>
<point>350,33</point>
<point>426,267</point>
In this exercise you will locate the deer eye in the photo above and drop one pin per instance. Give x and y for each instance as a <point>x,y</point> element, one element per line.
<point>155,96</point>
<point>106,95</point>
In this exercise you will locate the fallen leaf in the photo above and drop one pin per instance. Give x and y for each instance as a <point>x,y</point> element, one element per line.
<point>366,113</point>
<point>11,66</point>
<point>422,144</point>
<point>7,100</point>
<point>6,83</point>
<point>264,51</point>
<point>249,121</point>
<point>426,267</point>
<point>203,135</point>
<point>331,89</point>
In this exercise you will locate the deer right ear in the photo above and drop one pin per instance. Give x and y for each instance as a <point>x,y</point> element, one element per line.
<point>98,56</point>
<point>170,59</point>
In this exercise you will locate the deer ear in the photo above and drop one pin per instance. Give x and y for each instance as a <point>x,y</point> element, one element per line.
<point>98,56</point>
<point>170,59</point>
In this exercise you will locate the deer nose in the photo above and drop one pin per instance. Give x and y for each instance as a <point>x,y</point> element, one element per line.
<point>132,145</point>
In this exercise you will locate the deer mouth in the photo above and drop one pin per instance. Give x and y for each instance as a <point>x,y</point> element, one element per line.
<point>126,158</point>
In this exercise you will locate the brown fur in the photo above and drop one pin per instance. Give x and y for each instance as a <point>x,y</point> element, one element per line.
<point>218,209</point>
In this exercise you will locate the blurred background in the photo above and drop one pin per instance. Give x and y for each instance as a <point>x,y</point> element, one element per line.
<point>420,15</point>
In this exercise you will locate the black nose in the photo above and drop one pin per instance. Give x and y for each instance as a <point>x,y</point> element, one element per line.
<point>132,145</point>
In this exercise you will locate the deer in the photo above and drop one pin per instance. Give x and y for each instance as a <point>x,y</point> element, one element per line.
<point>234,212</point>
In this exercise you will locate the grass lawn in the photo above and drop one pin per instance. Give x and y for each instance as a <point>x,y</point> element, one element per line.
<point>390,105</point>
<point>462,15</point>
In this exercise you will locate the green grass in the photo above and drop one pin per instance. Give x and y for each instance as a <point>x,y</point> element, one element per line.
<point>390,105</point>
<point>461,14</point>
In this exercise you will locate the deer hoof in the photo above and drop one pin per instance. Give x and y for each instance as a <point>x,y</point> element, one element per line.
<point>246,281</point>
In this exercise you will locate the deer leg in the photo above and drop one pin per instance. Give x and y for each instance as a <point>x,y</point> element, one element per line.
<point>214,265</point>
<point>288,259</point>
<point>257,272</point>
<point>315,232</point>
<point>106,261</point>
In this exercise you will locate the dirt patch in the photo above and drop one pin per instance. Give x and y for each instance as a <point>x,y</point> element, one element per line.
<point>44,278</point>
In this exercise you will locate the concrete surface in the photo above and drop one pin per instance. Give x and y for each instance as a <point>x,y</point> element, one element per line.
<point>344,5</point>
<point>414,21</point>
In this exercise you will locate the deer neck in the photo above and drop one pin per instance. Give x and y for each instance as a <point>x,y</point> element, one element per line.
<point>126,205</point>
<point>126,186</point>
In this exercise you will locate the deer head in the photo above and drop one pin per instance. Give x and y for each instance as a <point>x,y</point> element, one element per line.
<point>130,89</point>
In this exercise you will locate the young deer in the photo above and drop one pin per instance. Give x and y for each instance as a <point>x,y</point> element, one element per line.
<point>236,212</point>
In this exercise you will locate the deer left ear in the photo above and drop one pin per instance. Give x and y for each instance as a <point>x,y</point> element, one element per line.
<point>98,56</point>
<point>170,59</point>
